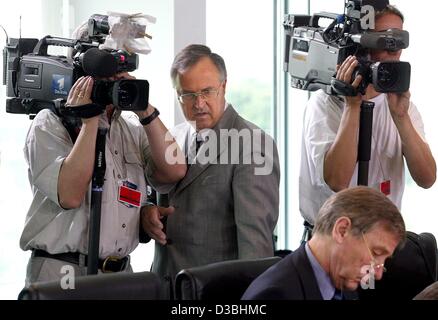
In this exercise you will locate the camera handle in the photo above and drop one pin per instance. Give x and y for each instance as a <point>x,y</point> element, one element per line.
<point>41,47</point>
<point>364,145</point>
<point>96,203</point>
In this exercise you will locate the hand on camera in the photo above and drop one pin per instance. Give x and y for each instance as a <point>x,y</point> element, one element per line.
<point>344,73</point>
<point>80,93</point>
<point>151,221</point>
<point>399,104</point>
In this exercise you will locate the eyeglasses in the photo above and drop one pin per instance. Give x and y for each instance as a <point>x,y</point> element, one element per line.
<point>206,94</point>
<point>376,266</point>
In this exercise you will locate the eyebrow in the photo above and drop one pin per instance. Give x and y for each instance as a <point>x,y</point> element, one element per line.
<point>204,89</point>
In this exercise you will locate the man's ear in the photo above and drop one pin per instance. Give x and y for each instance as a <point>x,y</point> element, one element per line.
<point>341,229</point>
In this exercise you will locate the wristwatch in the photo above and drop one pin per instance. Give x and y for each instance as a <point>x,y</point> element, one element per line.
<point>150,118</point>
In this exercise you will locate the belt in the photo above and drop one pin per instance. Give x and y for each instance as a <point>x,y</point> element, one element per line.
<point>110,264</point>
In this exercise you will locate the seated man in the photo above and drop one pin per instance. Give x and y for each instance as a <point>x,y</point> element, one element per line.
<point>355,231</point>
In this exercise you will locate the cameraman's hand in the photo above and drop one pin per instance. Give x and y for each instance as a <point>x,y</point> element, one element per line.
<point>80,93</point>
<point>344,73</point>
<point>399,105</point>
<point>151,221</point>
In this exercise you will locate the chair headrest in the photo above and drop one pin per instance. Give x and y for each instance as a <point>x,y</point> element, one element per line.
<point>227,279</point>
<point>122,285</point>
<point>412,268</point>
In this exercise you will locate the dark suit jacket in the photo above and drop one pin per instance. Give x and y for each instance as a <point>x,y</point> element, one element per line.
<point>222,211</point>
<point>292,278</point>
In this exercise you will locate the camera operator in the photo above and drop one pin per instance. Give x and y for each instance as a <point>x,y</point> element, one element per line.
<point>60,171</point>
<point>330,136</point>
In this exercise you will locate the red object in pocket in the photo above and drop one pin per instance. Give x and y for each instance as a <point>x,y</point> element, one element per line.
<point>385,187</point>
<point>129,196</point>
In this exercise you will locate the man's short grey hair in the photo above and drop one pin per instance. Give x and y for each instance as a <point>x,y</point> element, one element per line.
<point>365,207</point>
<point>191,55</point>
<point>390,9</point>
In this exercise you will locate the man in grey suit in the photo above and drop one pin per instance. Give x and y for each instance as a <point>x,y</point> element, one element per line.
<point>226,207</point>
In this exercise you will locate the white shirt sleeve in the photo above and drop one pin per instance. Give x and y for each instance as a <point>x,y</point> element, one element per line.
<point>321,123</point>
<point>47,145</point>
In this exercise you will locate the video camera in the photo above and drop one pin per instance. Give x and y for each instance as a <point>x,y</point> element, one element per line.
<point>36,80</point>
<point>312,52</point>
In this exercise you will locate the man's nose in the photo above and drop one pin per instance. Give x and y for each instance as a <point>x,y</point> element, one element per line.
<point>378,273</point>
<point>199,101</point>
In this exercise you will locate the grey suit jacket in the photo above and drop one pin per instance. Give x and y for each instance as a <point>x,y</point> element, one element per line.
<point>222,211</point>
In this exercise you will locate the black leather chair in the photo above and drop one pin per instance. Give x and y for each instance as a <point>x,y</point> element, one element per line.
<point>412,268</point>
<point>111,286</point>
<point>220,280</point>
<point>429,293</point>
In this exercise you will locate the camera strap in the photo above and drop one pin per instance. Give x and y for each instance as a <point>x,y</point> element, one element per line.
<point>342,88</point>
<point>85,111</point>
<point>73,127</point>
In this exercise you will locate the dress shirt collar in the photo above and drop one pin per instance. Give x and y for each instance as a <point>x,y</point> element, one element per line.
<point>324,282</point>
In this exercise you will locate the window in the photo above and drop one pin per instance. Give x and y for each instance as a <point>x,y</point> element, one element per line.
<point>15,193</point>
<point>242,33</point>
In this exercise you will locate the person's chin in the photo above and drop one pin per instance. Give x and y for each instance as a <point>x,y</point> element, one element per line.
<point>202,122</point>
<point>352,284</point>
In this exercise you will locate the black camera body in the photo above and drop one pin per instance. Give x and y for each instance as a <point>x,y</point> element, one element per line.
<point>312,52</point>
<point>388,76</point>
<point>35,80</point>
<point>32,76</point>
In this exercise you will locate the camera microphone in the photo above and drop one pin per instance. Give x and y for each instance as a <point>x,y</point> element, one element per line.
<point>99,63</point>
<point>391,40</point>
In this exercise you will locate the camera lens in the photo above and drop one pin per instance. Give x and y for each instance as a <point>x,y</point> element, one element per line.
<point>387,75</point>
<point>127,93</point>
<point>102,92</point>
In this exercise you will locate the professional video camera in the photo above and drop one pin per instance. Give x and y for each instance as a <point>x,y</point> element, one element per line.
<point>36,80</point>
<point>312,52</point>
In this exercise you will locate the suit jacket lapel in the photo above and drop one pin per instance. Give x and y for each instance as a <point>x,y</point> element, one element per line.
<point>226,122</point>
<point>308,280</point>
